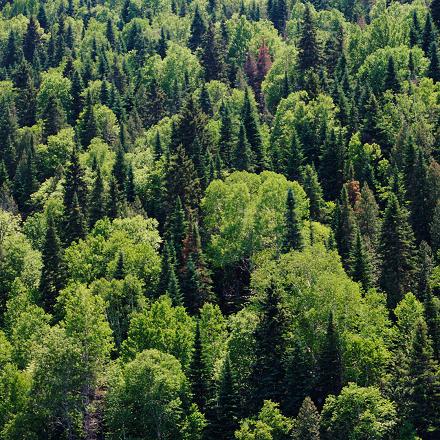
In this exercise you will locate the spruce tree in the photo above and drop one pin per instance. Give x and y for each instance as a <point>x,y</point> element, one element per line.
<point>295,158</point>
<point>52,273</point>
<point>423,382</point>
<point>314,192</point>
<point>243,153</point>
<point>89,129</point>
<point>119,171</point>
<point>197,372</point>
<point>359,264</point>
<point>76,225</point>
<point>120,268</point>
<point>226,142</point>
<point>130,188</point>
<point>212,55</point>
<point>428,36</point>
<point>397,251</point>
<point>173,289</point>
<point>198,29</point>
<point>424,271</point>
<point>435,12</point>
<point>432,316</point>
<point>226,422</point>
<point>434,64</point>
<point>308,46</point>
<point>97,200</point>
<point>293,238</point>
<point>329,364</point>
<point>301,377</point>
<point>391,81</point>
<point>54,117</point>
<point>31,40</point>
<point>115,203</point>
<point>176,227</point>
<point>307,423</point>
<point>253,135</point>
<point>77,99</point>
<point>268,371</point>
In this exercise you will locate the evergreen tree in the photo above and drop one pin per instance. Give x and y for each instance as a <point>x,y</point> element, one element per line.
<point>434,64</point>
<point>301,376</point>
<point>313,189</point>
<point>76,225</point>
<point>391,81</point>
<point>330,366</point>
<point>414,31</point>
<point>292,231</point>
<point>120,269</point>
<point>97,200</point>
<point>424,270</point>
<point>77,99</point>
<point>31,40</point>
<point>25,182</point>
<point>432,316</point>
<point>120,170</point>
<point>52,274</point>
<point>435,12</point>
<point>26,94</point>
<point>54,116</point>
<point>198,29</point>
<point>197,372</point>
<point>397,251</point>
<point>212,55</point>
<point>359,264</point>
<point>176,227</point>
<point>295,158</point>
<point>226,422</point>
<point>226,142</point>
<point>307,423</point>
<point>89,129</point>
<point>423,378</point>
<point>115,200</point>
<point>428,36</point>
<point>130,188</point>
<point>253,135</point>
<point>243,154</point>
<point>308,47</point>
<point>268,370</point>
<point>173,289</point>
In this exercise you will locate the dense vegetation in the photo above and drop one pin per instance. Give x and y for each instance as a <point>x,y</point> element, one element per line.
<point>219,219</point>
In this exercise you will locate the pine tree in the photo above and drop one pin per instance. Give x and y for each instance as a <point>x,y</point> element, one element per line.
<point>243,154</point>
<point>226,142</point>
<point>212,55</point>
<point>52,274</point>
<point>97,200</point>
<point>309,50</point>
<point>434,228</point>
<point>176,227</point>
<point>26,94</point>
<point>12,53</point>
<point>292,231</point>
<point>268,371</point>
<point>391,81</point>
<point>25,182</point>
<point>432,316</point>
<point>130,188</point>
<point>173,289</point>
<point>424,271</point>
<point>313,190</point>
<point>115,204</point>
<point>423,377</point>
<point>119,171</point>
<point>414,31</point>
<point>397,251</point>
<point>280,15</point>
<point>205,101</point>
<point>330,366</point>
<point>198,29</point>
<point>307,423</point>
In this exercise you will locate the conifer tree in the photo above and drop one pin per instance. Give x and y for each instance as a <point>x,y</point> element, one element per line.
<point>268,370</point>
<point>434,228</point>
<point>52,274</point>
<point>307,423</point>
<point>359,264</point>
<point>97,200</point>
<point>205,101</point>
<point>434,64</point>
<point>243,153</point>
<point>330,366</point>
<point>130,188</point>
<point>424,271</point>
<point>77,99</point>
<point>31,39</point>
<point>25,181</point>
<point>292,231</point>
<point>301,377</point>
<point>89,130</point>
<point>173,289</point>
<point>120,269</point>
<point>432,316</point>
<point>226,421</point>
<point>314,192</point>
<point>76,225</point>
<point>397,251</point>
<point>251,126</point>
<point>308,45</point>
<point>423,378</point>
<point>435,12</point>
<point>115,200</point>
<point>391,81</point>
<point>226,142</point>
<point>428,36</point>
<point>176,227</point>
<point>198,29</point>
<point>26,94</point>
<point>295,158</point>
<point>212,55</point>
<point>54,116</point>
<point>197,372</point>
<point>168,264</point>
<point>120,170</point>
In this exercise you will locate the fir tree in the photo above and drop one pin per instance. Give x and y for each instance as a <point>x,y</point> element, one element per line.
<point>119,171</point>
<point>226,142</point>
<point>31,40</point>
<point>397,251</point>
<point>198,29</point>
<point>359,264</point>
<point>76,93</point>
<point>120,269</point>
<point>434,64</point>
<point>435,12</point>
<point>115,200</point>
<point>424,271</point>
<point>330,366</point>
<point>176,227</point>
<point>292,230</point>
<point>391,81</point>
<point>130,188</point>
<point>307,423</point>
<point>268,370</point>
<point>212,55</point>
<point>243,154</point>
<point>414,31</point>
<point>423,378</point>
<point>97,200</point>
<point>52,274</point>
<point>226,421</point>
<point>313,189</point>
<point>76,226</point>
<point>432,316</point>
<point>54,116</point>
<point>428,36</point>
<point>89,129</point>
<point>173,289</point>
<point>309,50</point>
<point>295,158</point>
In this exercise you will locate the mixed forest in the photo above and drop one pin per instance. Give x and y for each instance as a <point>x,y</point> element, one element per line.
<point>219,220</point>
